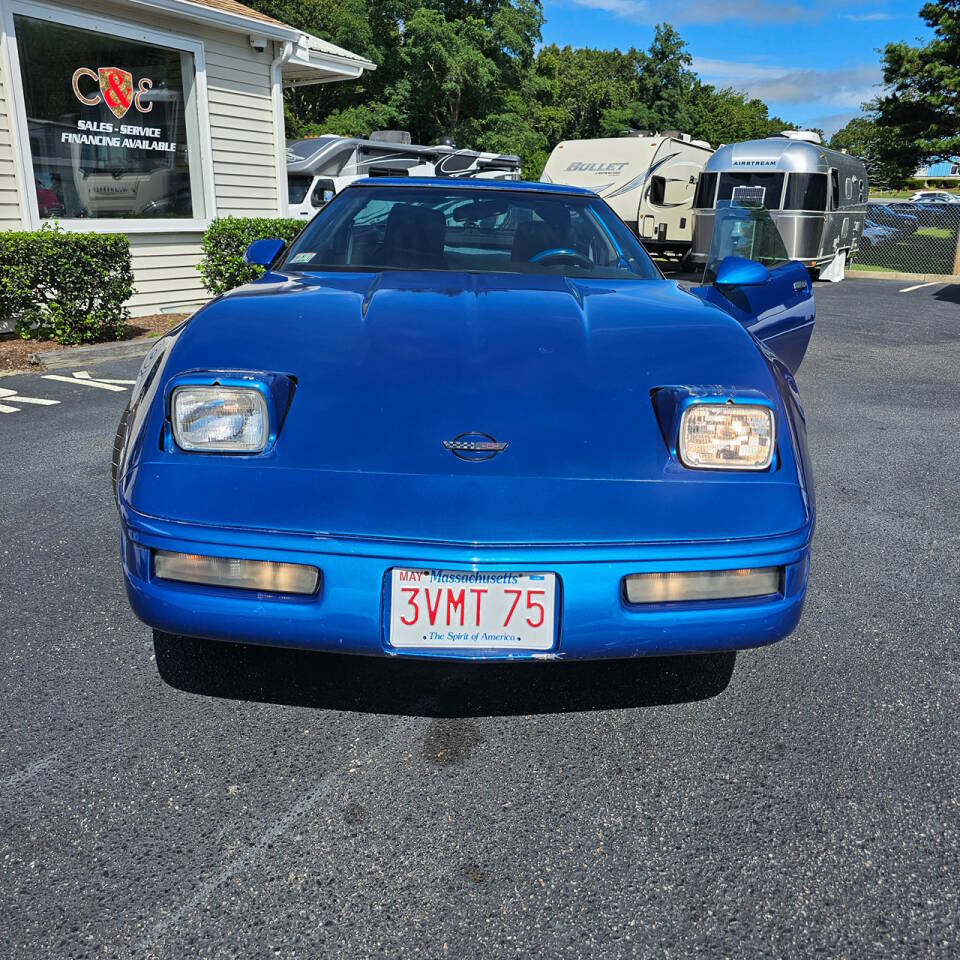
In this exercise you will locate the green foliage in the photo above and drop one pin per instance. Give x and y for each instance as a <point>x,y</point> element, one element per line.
<point>876,145</point>
<point>921,108</point>
<point>69,287</point>
<point>471,70</point>
<point>224,242</point>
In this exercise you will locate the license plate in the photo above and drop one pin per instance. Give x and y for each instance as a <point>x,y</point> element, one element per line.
<point>455,609</point>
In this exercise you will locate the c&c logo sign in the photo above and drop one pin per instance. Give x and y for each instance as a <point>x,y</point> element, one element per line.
<point>116,90</point>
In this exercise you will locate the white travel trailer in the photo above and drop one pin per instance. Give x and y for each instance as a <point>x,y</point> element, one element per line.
<point>816,196</point>
<point>320,167</point>
<point>648,179</point>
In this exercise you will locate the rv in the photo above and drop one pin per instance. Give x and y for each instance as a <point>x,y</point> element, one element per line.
<point>648,179</point>
<point>816,196</point>
<point>320,167</point>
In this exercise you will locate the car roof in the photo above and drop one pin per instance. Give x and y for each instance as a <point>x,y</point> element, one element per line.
<point>468,184</point>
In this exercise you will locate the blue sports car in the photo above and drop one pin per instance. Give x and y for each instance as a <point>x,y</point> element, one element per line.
<point>471,419</point>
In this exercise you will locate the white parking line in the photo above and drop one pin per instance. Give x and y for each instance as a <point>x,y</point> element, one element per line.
<point>919,286</point>
<point>83,375</point>
<point>14,397</point>
<point>84,378</point>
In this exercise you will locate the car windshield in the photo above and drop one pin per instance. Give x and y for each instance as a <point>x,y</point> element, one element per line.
<point>744,231</point>
<point>478,230</point>
<point>297,186</point>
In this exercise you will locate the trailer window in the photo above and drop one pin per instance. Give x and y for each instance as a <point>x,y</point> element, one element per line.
<point>751,189</point>
<point>706,188</point>
<point>835,189</point>
<point>806,191</point>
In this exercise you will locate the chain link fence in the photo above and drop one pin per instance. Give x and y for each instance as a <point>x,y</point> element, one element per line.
<point>904,237</point>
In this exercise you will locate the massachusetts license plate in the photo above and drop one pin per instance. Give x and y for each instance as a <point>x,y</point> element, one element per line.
<point>455,609</point>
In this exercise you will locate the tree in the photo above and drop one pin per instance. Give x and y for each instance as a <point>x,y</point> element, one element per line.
<point>443,66</point>
<point>866,138</point>
<point>920,109</point>
<point>470,70</point>
<point>668,95</point>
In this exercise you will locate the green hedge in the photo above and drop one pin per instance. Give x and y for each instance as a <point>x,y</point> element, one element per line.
<point>222,266</point>
<point>70,287</point>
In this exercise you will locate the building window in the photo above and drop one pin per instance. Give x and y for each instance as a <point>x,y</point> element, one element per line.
<point>112,124</point>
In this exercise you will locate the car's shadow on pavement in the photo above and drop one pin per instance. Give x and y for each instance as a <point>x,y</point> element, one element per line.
<point>428,688</point>
<point>950,293</point>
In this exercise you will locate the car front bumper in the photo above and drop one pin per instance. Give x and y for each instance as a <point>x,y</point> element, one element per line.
<point>350,611</point>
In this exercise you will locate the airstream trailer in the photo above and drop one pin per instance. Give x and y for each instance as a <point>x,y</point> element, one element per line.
<point>320,167</point>
<point>816,196</point>
<point>648,179</point>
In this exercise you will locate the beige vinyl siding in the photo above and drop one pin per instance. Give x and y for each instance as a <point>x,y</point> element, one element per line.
<point>10,209</point>
<point>165,271</point>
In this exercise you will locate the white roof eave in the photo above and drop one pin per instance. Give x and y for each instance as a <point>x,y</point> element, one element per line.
<point>200,13</point>
<point>310,53</point>
<point>317,61</point>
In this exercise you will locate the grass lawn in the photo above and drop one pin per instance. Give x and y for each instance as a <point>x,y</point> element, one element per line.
<point>938,233</point>
<point>929,250</point>
<point>873,268</point>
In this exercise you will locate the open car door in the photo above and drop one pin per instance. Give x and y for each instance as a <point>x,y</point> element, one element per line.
<point>749,275</point>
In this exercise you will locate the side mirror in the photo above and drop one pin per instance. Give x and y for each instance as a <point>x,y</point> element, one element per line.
<point>261,253</point>
<point>740,272</point>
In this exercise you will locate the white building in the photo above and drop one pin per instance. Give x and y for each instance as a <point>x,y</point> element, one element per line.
<point>149,118</point>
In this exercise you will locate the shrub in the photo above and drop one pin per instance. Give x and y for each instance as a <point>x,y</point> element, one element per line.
<point>222,266</point>
<point>70,287</point>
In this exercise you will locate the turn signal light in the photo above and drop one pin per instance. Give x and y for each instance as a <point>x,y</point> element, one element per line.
<point>234,572</point>
<point>702,585</point>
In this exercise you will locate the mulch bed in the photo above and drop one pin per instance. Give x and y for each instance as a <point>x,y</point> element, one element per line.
<point>14,352</point>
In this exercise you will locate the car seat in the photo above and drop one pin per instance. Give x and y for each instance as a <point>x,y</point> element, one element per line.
<point>413,238</point>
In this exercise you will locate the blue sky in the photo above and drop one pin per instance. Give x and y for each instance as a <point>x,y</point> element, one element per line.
<point>813,62</point>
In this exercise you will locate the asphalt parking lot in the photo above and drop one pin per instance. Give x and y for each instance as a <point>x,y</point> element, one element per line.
<point>798,800</point>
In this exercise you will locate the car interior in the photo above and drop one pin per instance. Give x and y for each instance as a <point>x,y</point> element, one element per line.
<point>401,229</point>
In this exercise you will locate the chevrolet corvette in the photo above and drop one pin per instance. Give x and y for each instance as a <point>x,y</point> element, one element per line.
<point>471,419</point>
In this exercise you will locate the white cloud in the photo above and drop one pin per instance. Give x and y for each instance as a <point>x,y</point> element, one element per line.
<point>840,89</point>
<point>703,11</point>
<point>630,9</point>
<point>867,17</point>
<point>832,122</point>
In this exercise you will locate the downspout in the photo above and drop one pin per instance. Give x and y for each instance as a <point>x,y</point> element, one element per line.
<point>280,137</point>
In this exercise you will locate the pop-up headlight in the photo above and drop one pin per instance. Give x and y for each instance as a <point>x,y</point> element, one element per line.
<point>727,436</point>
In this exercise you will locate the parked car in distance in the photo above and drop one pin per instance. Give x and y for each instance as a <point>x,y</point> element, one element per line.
<point>471,419</point>
<point>934,196</point>
<point>876,234</point>
<point>887,216</point>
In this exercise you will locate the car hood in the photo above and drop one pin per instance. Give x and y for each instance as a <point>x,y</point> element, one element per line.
<point>388,366</point>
